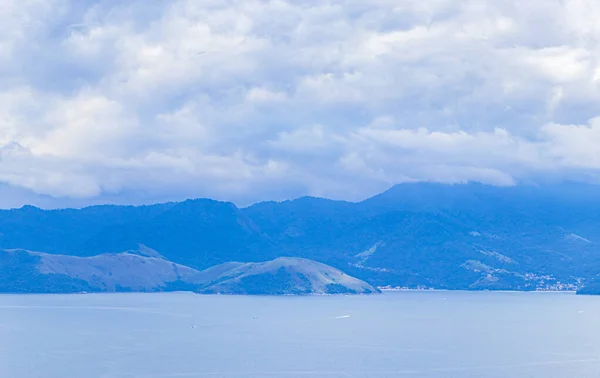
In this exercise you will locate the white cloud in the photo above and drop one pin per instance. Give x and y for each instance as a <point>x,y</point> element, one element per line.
<point>250,100</point>
<point>260,95</point>
<point>573,146</point>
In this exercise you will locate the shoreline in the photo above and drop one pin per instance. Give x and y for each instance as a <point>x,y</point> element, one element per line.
<point>382,291</point>
<point>398,290</point>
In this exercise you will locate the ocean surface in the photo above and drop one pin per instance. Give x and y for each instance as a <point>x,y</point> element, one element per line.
<point>399,334</point>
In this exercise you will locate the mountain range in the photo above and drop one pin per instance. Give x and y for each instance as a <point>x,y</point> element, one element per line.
<point>416,235</point>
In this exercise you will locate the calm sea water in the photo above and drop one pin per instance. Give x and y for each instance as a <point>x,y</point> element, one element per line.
<point>408,334</point>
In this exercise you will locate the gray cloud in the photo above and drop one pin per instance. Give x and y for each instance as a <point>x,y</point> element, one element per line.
<point>252,100</point>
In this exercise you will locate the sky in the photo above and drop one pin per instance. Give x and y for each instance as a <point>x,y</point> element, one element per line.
<point>145,101</point>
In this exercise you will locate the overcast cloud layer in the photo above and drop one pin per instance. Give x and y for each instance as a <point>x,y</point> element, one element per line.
<point>252,100</point>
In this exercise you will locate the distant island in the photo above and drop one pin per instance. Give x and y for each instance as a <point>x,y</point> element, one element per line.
<point>35,272</point>
<point>418,235</point>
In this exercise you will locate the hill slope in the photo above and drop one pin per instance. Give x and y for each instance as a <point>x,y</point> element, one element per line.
<point>35,272</point>
<point>285,275</point>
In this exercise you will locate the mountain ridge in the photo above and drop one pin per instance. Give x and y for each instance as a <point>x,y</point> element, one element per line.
<point>460,236</point>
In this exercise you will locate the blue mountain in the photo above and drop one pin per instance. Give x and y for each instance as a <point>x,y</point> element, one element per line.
<point>463,236</point>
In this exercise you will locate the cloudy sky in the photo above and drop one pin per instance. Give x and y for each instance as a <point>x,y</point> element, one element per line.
<point>141,101</point>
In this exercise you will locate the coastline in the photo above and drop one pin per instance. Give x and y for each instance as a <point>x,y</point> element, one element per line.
<point>401,289</point>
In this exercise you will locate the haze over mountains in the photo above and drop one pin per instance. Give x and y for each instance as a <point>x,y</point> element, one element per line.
<point>464,236</point>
